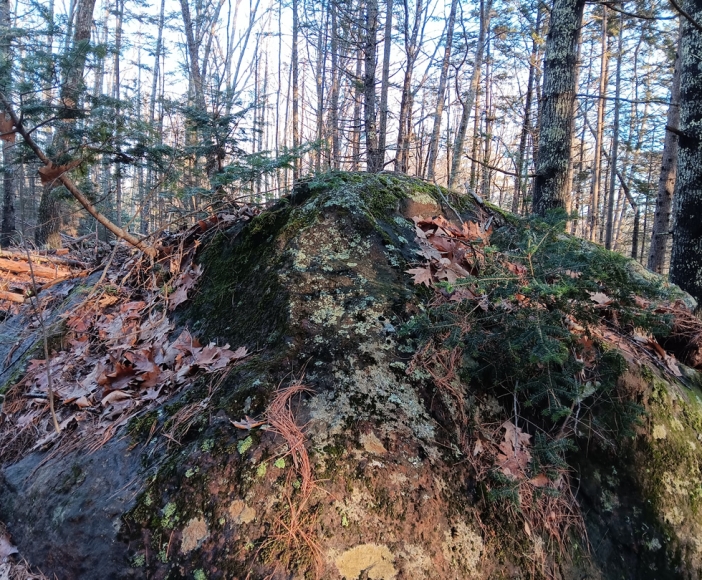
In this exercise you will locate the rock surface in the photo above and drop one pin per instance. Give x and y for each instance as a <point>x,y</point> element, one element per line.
<point>316,287</point>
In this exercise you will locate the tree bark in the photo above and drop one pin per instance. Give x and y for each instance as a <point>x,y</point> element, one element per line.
<point>526,124</point>
<point>468,98</point>
<point>599,131</point>
<point>686,258</point>
<point>333,127</point>
<point>406,101</point>
<point>295,92</point>
<point>385,84</point>
<point>374,161</point>
<point>553,166</point>
<point>8,141</point>
<point>609,237</point>
<point>49,219</point>
<point>441,94</point>
<point>660,235</point>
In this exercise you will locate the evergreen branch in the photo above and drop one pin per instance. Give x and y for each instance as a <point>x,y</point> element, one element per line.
<point>68,183</point>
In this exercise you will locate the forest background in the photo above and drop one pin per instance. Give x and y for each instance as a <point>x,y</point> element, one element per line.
<point>162,111</point>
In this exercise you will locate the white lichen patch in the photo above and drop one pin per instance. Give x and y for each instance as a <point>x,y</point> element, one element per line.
<point>372,444</point>
<point>327,310</point>
<point>240,513</point>
<point>375,560</point>
<point>659,432</point>
<point>356,506</point>
<point>194,533</point>
<point>415,561</point>
<point>463,548</point>
<point>676,425</point>
<point>375,390</point>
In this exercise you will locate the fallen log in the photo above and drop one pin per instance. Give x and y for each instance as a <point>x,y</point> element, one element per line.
<point>11,296</point>
<point>51,259</point>
<point>22,267</point>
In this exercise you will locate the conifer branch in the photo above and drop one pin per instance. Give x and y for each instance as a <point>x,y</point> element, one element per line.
<point>68,183</point>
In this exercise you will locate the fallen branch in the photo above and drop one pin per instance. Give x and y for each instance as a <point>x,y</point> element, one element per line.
<point>68,183</point>
<point>23,267</point>
<point>11,296</point>
<point>49,258</point>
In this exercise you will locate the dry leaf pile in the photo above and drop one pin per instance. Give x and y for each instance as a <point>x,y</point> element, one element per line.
<point>118,357</point>
<point>451,251</point>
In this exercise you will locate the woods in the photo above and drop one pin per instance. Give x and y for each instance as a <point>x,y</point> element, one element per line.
<point>344,289</point>
<point>158,113</point>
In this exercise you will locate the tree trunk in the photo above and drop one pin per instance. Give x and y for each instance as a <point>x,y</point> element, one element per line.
<point>686,258</point>
<point>385,85</point>
<point>49,218</point>
<point>8,142</point>
<point>609,237</point>
<point>333,123</point>
<point>295,91</point>
<point>660,236</point>
<point>150,175</point>
<point>441,95</point>
<point>405,117</point>
<point>357,123</point>
<point>374,161</point>
<point>469,96</point>
<point>553,167</point>
<point>599,132</point>
<point>526,124</point>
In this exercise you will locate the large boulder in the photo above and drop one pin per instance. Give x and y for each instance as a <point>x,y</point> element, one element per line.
<point>377,432</point>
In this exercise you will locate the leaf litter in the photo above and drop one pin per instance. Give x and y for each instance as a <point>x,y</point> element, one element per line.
<point>118,356</point>
<point>453,263</point>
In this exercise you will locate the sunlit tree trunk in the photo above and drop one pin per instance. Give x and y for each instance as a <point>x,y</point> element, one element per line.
<point>441,94</point>
<point>609,237</point>
<point>49,219</point>
<point>599,133</point>
<point>405,118</point>
<point>469,97</point>
<point>374,161</point>
<point>295,90</point>
<point>385,85</point>
<point>660,235</point>
<point>8,142</point>
<point>526,123</point>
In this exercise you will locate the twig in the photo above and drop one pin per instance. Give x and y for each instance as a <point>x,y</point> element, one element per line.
<point>441,193</point>
<point>40,316</point>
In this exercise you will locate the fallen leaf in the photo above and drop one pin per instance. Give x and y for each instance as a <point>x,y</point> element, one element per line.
<point>114,397</point>
<point>83,403</point>
<point>421,275</point>
<point>108,300</point>
<point>600,298</point>
<point>540,480</point>
<point>247,423</point>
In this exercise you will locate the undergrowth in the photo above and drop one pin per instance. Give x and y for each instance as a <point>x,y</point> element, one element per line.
<point>530,327</point>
